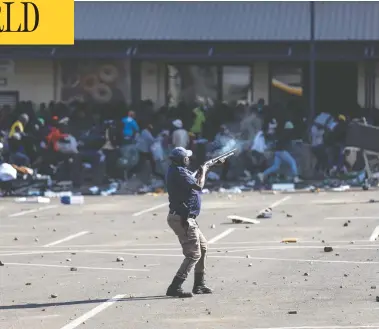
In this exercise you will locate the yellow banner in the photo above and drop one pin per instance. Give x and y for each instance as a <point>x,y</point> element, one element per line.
<point>37,22</point>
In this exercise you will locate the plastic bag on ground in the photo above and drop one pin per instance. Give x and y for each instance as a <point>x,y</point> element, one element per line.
<point>7,172</point>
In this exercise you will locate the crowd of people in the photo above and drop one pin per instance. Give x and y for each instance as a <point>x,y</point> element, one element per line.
<point>67,140</point>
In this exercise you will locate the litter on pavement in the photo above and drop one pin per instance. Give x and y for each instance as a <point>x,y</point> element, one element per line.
<point>239,220</point>
<point>38,199</point>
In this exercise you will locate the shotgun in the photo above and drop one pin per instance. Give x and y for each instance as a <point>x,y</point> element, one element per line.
<point>221,158</point>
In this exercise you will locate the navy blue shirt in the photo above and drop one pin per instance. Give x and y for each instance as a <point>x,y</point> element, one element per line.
<point>182,197</point>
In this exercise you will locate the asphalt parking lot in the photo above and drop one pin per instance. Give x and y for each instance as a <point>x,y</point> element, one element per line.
<point>258,280</point>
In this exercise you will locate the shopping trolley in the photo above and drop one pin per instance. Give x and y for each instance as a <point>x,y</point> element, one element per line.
<point>364,137</point>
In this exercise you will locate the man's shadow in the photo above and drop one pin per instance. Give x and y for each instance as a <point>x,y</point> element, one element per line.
<point>79,302</point>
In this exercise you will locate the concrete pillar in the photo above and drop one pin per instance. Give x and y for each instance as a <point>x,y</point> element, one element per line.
<point>361,84</point>
<point>153,83</point>
<point>261,81</point>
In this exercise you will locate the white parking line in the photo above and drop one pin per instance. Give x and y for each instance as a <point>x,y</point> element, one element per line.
<point>244,257</point>
<point>215,250</point>
<point>346,217</point>
<point>77,322</point>
<point>80,267</point>
<point>70,237</point>
<point>334,201</point>
<point>326,327</point>
<point>26,212</point>
<point>150,209</point>
<point>276,203</point>
<point>222,235</point>
<point>374,234</point>
<point>133,245</point>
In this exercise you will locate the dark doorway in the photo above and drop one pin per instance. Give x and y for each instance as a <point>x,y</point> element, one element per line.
<point>336,87</point>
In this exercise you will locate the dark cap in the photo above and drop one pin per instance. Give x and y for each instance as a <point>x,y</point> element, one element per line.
<point>180,153</point>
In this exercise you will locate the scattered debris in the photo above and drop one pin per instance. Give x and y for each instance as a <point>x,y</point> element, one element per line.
<point>328,249</point>
<point>346,224</point>
<point>289,240</point>
<point>36,239</point>
<point>38,199</point>
<point>266,213</point>
<point>283,187</point>
<point>213,226</point>
<point>239,220</point>
<point>68,259</point>
<point>76,199</point>
<point>250,265</point>
<point>120,259</point>
<point>341,188</point>
<point>94,190</point>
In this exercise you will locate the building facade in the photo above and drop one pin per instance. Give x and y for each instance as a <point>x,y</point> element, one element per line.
<point>169,52</point>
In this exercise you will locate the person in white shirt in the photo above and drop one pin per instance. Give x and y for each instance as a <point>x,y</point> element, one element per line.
<point>180,137</point>
<point>256,156</point>
<point>319,149</point>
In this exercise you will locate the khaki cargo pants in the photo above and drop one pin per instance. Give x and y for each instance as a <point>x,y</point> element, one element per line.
<point>193,243</point>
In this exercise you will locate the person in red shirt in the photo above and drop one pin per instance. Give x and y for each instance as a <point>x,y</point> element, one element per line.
<point>54,135</point>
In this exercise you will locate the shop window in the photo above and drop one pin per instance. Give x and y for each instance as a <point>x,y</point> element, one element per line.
<point>286,85</point>
<point>236,84</point>
<point>190,83</point>
<point>98,81</point>
<point>286,94</point>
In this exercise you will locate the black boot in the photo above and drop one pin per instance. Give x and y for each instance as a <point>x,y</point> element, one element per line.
<point>199,286</point>
<point>175,289</point>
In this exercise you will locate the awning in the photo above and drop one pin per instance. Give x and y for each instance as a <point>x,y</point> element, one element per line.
<point>94,50</point>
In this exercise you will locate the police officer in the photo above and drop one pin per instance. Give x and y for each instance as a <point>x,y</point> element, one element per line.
<point>184,196</point>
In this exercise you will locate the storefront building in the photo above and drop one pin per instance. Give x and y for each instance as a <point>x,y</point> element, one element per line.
<point>233,52</point>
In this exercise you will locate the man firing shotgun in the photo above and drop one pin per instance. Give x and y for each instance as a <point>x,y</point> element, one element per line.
<point>184,189</point>
<point>217,160</point>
